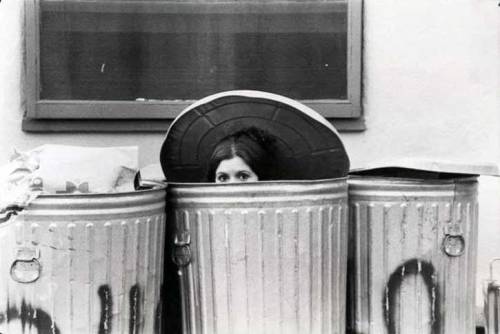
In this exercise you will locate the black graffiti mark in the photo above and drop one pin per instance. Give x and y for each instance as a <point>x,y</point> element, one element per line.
<point>411,267</point>
<point>33,317</point>
<point>134,298</point>
<point>42,321</point>
<point>106,298</point>
<point>106,322</point>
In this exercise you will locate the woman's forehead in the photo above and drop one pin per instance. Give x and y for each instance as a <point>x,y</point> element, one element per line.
<point>233,164</point>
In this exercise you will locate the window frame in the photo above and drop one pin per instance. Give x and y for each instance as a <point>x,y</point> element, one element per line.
<point>156,115</point>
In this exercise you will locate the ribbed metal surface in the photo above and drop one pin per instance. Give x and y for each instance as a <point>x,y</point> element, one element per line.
<point>101,259</point>
<point>492,307</point>
<point>492,301</point>
<point>266,258</point>
<point>403,281</point>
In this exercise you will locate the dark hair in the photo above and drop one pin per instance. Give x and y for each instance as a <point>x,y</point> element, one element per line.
<point>253,145</point>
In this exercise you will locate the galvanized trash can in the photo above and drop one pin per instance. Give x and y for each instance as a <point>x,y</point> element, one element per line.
<point>256,257</point>
<point>413,253</point>
<point>492,302</point>
<point>88,263</point>
<point>266,257</point>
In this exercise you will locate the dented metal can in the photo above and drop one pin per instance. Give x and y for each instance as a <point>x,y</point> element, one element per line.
<point>267,257</point>
<point>412,255</point>
<point>87,263</point>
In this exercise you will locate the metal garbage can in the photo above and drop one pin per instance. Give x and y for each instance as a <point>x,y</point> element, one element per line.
<point>413,253</point>
<point>89,263</point>
<point>492,302</point>
<point>267,257</point>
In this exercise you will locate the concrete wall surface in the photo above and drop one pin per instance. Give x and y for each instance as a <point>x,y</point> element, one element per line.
<point>431,83</point>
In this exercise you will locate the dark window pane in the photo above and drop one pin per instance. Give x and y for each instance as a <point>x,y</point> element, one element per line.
<point>126,50</point>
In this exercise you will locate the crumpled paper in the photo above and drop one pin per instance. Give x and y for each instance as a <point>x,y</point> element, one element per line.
<point>60,169</point>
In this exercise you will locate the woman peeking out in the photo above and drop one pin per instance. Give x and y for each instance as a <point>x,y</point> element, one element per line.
<point>245,156</point>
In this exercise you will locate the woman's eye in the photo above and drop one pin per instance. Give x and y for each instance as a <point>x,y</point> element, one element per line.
<point>222,178</point>
<point>243,176</point>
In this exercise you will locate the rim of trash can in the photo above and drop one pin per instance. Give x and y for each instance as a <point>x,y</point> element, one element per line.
<point>406,189</point>
<point>152,187</point>
<point>101,206</point>
<point>251,194</point>
<point>256,184</point>
<point>358,179</point>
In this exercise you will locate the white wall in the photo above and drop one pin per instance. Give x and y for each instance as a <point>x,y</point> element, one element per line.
<point>430,80</point>
<point>431,70</point>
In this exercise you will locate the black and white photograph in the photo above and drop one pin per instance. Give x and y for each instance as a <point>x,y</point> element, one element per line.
<point>249,167</point>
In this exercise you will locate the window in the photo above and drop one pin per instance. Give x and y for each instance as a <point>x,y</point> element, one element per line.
<point>120,65</point>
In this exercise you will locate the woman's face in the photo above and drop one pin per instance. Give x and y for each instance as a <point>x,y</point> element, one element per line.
<point>234,170</point>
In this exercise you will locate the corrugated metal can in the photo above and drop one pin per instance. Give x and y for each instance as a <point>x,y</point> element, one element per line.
<point>268,257</point>
<point>492,302</point>
<point>412,259</point>
<point>89,263</point>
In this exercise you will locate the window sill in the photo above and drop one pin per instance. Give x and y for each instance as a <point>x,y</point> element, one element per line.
<point>139,125</point>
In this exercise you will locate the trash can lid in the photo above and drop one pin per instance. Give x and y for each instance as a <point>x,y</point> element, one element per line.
<point>429,165</point>
<point>309,147</point>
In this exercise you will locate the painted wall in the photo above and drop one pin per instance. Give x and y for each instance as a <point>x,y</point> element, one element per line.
<point>431,70</point>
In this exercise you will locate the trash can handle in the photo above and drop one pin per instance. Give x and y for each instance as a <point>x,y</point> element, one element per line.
<point>453,242</point>
<point>492,261</point>
<point>26,268</point>
<point>181,253</point>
